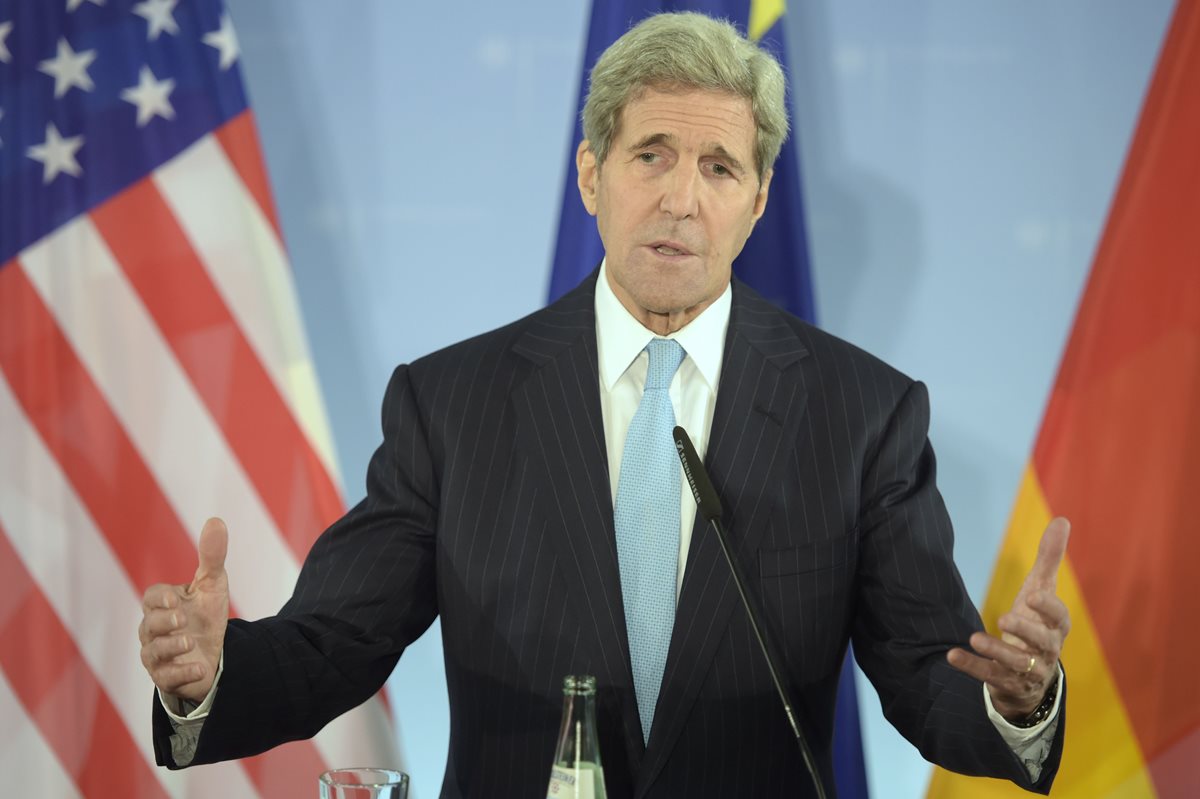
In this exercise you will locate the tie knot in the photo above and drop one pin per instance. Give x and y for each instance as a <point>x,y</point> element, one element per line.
<point>665,357</point>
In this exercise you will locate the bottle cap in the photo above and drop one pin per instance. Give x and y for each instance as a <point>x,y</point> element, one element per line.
<point>579,684</point>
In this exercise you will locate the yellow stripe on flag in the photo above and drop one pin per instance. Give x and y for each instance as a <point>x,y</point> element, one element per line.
<point>1101,757</point>
<point>764,14</point>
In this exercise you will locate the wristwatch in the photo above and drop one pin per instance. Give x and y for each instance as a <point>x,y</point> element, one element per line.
<point>1040,712</point>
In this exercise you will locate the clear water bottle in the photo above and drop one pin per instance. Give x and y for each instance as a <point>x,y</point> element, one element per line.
<point>576,772</point>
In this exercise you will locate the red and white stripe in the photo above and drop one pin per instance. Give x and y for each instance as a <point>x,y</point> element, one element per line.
<point>153,372</point>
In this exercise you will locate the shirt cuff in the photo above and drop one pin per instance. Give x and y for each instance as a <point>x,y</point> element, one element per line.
<point>182,711</point>
<point>187,718</point>
<point>1030,744</point>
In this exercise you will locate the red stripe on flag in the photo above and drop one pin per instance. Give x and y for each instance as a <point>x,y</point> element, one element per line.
<point>145,237</point>
<point>80,431</point>
<point>287,770</point>
<point>240,142</point>
<point>60,691</point>
<point>1119,450</point>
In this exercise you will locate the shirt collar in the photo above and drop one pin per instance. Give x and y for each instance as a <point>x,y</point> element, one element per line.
<point>620,338</point>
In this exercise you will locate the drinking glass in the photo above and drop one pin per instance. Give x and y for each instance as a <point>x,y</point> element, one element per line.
<point>364,783</point>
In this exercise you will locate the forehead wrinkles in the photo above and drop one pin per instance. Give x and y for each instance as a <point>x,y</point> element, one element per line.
<point>726,123</point>
<point>708,126</point>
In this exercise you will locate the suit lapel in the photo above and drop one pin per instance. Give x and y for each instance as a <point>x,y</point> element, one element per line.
<point>759,403</point>
<point>559,422</point>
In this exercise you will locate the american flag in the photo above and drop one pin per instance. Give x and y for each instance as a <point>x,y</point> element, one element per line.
<point>153,372</point>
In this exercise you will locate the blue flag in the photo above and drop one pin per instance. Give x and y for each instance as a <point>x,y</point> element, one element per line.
<point>774,260</point>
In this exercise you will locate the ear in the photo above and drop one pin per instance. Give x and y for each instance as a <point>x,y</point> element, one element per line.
<point>589,173</point>
<point>760,200</point>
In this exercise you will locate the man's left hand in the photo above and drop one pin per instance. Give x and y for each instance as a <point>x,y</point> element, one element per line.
<point>1020,665</point>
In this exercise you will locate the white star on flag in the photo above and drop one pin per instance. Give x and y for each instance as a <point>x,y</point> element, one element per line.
<point>74,4</point>
<point>56,154</point>
<point>158,14</point>
<point>225,40</point>
<point>151,97</point>
<point>5,29</point>
<point>69,69</point>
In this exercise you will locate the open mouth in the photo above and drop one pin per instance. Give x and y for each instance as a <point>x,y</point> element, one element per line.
<point>669,248</point>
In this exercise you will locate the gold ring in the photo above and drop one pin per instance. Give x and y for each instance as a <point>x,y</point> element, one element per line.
<point>1032,663</point>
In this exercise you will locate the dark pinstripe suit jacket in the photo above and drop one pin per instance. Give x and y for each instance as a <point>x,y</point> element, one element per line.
<point>488,504</point>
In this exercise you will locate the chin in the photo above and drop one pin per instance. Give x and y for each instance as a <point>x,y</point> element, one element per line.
<point>668,301</point>
<point>664,289</point>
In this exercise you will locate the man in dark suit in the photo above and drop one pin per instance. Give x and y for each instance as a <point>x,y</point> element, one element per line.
<point>516,495</point>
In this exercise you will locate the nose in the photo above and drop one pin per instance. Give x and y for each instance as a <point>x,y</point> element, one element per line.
<point>681,193</point>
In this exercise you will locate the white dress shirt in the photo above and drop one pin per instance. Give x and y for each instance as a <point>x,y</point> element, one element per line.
<point>623,362</point>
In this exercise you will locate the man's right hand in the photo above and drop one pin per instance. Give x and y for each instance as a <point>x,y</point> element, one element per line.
<point>183,626</point>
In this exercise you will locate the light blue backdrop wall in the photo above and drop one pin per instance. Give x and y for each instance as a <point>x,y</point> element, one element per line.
<point>959,159</point>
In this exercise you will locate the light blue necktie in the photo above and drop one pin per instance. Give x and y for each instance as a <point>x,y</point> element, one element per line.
<point>647,522</point>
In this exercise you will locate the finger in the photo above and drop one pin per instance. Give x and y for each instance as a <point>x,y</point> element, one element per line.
<point>1033,635</point>
<point>982,669</point>
<point>1052,610</point>
<point>171,677</point>
<point>1000,677</point>
<point>161,595</point>
<point>214,543</point>
<point>1051,550</point>
<point>157,623</point>
<point>1010,657</point>
<point>161,651</point>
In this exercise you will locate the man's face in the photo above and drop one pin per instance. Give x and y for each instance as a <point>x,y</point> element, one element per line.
<point>675,200</point>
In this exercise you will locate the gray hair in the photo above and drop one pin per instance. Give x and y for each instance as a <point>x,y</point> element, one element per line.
<point>688,51</point>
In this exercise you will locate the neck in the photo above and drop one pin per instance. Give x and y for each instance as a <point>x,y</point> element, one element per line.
<point>661,323</point>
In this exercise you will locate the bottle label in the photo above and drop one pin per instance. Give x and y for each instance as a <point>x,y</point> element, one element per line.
<point>572,783</point>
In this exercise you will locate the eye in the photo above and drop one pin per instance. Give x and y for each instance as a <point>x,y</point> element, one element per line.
<point>647,158</point>
<point>721,171</point>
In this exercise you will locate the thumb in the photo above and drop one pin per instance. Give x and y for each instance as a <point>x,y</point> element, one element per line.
<point>214,543</point>
<point>1051,550</point>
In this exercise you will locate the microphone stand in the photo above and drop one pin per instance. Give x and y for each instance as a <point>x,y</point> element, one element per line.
<point>709,505</point>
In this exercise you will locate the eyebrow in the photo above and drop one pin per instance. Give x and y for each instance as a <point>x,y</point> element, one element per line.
<point>728,156</point>
<point>655,139</point>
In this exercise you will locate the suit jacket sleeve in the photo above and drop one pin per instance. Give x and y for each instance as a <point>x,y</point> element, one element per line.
<point>913,607</point>
<point>366,591</point>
